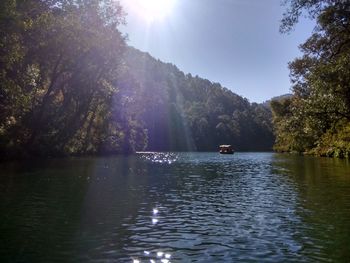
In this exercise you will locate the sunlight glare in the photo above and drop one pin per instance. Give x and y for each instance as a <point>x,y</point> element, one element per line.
<point>152,10</point>
<point>155,211</point>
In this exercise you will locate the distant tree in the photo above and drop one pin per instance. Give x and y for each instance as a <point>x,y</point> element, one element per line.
<point>183,112</point>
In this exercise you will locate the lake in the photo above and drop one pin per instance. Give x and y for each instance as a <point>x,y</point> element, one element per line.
<point>176,207</point>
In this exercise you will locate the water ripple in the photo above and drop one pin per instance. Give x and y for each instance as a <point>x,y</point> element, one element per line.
<point>177,207</point>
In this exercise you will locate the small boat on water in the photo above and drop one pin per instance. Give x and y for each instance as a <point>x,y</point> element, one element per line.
<point>226,149</point>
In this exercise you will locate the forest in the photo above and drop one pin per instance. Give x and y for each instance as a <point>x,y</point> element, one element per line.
<point>316,118</point>
<point>70,85</point>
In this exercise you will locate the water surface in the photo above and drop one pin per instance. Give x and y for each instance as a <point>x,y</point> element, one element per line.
<point>176,207</point>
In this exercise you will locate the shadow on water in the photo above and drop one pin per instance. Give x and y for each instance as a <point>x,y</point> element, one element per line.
<point>66,210</point>
<point>38,200</point>
<point>178,207</point>
<point>322,185</point>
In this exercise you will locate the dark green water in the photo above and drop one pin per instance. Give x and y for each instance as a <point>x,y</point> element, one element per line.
<point>249,207</point>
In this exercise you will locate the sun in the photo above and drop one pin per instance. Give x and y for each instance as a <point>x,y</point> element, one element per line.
<point>151,10</point>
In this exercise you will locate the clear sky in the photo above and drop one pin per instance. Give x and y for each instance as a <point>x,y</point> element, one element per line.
<point>234,42</point>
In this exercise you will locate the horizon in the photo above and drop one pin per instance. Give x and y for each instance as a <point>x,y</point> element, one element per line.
<point>250,59</point>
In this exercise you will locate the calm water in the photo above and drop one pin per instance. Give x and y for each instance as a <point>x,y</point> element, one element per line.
<point>180,207</point>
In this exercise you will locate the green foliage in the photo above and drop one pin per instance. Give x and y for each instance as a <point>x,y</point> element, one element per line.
<point>321,83</point>
<point>292,127</point>
<point>60,61</point>
<point>70,85</point>
<point>182,112</point>
<point>335,142</point>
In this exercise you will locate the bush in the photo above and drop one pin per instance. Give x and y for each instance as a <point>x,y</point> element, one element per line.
<point>335,142</point>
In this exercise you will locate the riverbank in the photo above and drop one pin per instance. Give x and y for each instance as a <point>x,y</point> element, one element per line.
<point>334,143</point>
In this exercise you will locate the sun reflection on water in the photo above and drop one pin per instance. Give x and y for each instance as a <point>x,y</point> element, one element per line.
<point>156,256</point>
<point>159,157</point>
<point>155,211</point>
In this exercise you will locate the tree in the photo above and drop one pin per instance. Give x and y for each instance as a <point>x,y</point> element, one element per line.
<point>321,76</point>
<point>70,85</point>
<point>60,61</point>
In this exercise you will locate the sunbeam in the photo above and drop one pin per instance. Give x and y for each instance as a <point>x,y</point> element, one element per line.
<point>151,10</point>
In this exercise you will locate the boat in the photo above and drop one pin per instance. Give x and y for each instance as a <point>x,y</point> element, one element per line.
<point>226,149</point>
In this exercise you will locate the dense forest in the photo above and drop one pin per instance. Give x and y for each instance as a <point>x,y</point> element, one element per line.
<point>183,112</point>
<point>69,84</point>
<point>316,119</point>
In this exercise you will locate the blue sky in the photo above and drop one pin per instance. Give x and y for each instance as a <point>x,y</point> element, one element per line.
<point>234,42</point>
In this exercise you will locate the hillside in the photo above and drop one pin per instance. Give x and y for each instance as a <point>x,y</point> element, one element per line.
<point>183,112</point>
<point>70,85</point>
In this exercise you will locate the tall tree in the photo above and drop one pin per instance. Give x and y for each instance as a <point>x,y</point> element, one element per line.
<point>60,63</point>
<point>320,77</point>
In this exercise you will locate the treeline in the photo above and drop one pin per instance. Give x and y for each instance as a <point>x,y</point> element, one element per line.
<point>183,112</point>
<point>316,119</point>
<point>70,85</point>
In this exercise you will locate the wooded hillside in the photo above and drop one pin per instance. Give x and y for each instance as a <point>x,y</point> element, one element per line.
<point>69,84</point>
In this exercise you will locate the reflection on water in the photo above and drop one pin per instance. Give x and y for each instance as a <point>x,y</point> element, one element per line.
<point>159,157</point>
<point>176,207</point>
